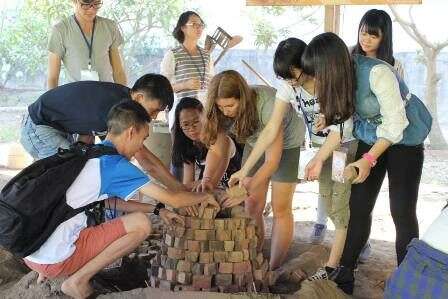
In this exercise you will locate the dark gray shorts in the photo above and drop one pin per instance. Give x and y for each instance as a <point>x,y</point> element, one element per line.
<point>288,167</point>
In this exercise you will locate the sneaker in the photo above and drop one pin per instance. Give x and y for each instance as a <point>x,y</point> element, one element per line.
<point>365,253</point>
<point>318,234</point>
<point>321,274</point>
<point>344,278</point>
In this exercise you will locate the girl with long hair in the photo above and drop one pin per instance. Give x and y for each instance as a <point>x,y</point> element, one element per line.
<point>204,168</point>
<point>248,110</point>
<point>390,124</point>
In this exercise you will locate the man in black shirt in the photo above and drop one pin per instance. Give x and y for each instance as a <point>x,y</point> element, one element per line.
<point>82,107</point>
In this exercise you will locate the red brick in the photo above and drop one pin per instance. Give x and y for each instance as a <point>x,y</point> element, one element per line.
<point>210,269</point>
<point>193,245</point>
<point>184,278</point>
<point>243,267</point>
<point>225,268</point>
<point>216,245</point>
<point>209,213</point>
<point>189,234</point>
<point>176,253</point>
<point>223,235</point>
<point>220,224</point>
<point>222,280</point>
<point>192,256</point>
<point>195,223</point>
<point>204,234</point>
<point>238,234</point>
<point>206,257</point>
<point>197,269</point>
<point>204,246</point>
<point>207,224</point>
<point>171,275</point>
<point>184,266</point>
<point>245,255</point>
<point>240,245</point>
<point>235,257</point>
<point>202,282</point>
<point>229,245</point>
<point>220,256</point>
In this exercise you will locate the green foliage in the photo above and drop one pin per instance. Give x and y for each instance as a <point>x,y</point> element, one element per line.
<point>23,37</point>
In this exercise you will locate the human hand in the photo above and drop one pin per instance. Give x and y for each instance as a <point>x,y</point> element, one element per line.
<point>233,201</point>
<point>238,177</point>
<point>204,186</point>
<point>313,169</point>
<point>320,124</point>
<point>363,167</point>
<point>171,218</point>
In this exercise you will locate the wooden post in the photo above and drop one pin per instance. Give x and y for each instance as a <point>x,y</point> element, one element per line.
<point>332,18</point>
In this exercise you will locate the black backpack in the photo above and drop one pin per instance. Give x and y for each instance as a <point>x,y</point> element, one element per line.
<point>33,203</point>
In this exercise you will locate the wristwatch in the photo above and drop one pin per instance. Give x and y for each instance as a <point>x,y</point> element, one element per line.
<point>158,207</point>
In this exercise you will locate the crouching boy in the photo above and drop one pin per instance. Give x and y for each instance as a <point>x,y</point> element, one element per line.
<point>78,252</point>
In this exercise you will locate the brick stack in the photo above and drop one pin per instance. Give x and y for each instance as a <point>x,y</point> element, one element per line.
<point>210,254</point>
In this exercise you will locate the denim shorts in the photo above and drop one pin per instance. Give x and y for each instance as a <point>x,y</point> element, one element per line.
<point>42,141</point>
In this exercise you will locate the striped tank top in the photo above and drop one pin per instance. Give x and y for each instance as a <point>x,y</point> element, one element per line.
<point>189,67</point>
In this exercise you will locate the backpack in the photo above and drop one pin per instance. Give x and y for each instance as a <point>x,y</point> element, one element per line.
<point>33,203</point>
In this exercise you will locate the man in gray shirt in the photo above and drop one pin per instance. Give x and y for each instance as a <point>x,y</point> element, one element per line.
<point>87,45</point>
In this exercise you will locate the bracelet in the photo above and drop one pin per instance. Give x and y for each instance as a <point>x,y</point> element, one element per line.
<point>370,158</point>
<point>158,207</point>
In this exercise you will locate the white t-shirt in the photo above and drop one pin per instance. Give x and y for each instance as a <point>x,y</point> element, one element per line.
<point>435,235</point>
<point>310,111</point>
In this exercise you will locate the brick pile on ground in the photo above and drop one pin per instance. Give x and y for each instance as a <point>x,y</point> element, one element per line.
<point>210,253</point>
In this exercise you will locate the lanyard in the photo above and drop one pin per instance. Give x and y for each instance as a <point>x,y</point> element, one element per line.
<point>201,76</point>
<point>89,45</point>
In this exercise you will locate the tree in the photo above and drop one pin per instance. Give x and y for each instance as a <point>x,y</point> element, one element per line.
<point>269,30</point>
<point>430,51</point>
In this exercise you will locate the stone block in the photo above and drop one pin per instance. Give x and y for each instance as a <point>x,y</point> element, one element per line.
<point>202,282</point>
<point>229,245</point>
<point>236,191</point>
<point>245,255</point>
<point>193,245</point>
<point>220,256</point>
<point>192,256</point>
<point>176,253</point>
<point>250,232</point>
<point>235,257</point>
<point>210,269</point>
<point>204,234</point>
<point>204,246</point>
<point>206,257</point>
<point>216,245</point>
<point>242,244</point>
<point>189,234</point>
<point>209,213</point>
<point>223,235</point>
<point>180,243</point>
<point>171,263</point>
<point>184,266</point>
<point>171,275</point>
<point>225,268</point>
<point>220,224</point>
<point>207,224</point>
<point>238,234</point>
<point>241,268</point>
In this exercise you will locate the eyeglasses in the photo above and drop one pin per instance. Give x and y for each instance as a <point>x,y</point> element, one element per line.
<point>190,126</point>
<point>95,5</point>
<point>196,25</point>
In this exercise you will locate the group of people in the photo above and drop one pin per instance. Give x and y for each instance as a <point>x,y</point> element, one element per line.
<point>353,102</point>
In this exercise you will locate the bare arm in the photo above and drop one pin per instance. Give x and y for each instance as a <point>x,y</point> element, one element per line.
<point>177,199</point>
<point>129,206</point>
<point>217,160</point>
<point>266,138</point>
<point>188,177</point>
<point>118,71</point>
<point>157,170</point>
<point>54,69</point>
<point>272,159</point>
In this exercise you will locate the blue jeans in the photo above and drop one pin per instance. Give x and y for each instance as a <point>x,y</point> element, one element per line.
<point>42,141</point>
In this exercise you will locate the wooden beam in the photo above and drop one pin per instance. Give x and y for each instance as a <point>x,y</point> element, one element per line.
<point>332,18</point>
<point>327,2</point>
